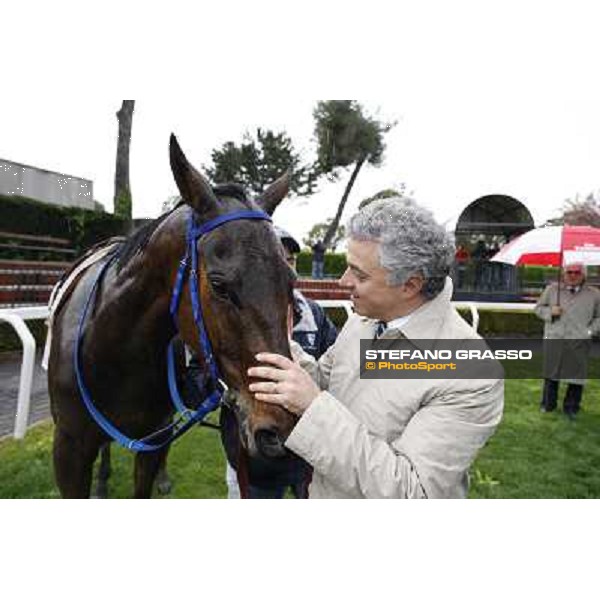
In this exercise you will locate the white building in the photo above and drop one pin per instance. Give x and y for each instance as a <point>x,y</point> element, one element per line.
<point>46,186</point>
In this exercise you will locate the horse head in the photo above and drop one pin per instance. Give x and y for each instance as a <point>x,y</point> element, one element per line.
<point>245,288</point>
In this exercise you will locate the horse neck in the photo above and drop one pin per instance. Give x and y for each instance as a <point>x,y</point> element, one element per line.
<point>138,296</point>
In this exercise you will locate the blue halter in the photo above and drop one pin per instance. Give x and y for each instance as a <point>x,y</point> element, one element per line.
<point>187,417</point>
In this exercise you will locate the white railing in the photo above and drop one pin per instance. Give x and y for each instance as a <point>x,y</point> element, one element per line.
<point>16,317</point>
<point>347,306</point>
<point>472,306</point>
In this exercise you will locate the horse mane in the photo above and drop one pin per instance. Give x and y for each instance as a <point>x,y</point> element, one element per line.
<point>232,190</point>
<point>138,240</point>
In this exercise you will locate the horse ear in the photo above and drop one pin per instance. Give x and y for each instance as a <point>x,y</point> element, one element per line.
<point>195,189</point>
<point>275,193</point>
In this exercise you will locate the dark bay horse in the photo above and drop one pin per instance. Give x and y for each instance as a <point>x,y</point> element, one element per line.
<point>245,288</point>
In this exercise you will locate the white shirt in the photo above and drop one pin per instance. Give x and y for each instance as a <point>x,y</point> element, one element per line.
<point>399,322</point>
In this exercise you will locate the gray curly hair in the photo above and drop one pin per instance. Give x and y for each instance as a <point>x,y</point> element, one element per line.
<point>412,242</point>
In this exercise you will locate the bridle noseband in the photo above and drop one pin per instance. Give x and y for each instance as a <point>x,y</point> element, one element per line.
<point>187,417</point>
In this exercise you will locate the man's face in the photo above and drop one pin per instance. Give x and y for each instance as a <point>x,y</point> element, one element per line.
<point>573,275</point>
<point>367,280</point>
<point>290,258</point>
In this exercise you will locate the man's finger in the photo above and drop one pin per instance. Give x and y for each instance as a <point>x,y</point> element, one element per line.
<point>269,387</point>
<point>274,359</point>
<point>267,373</point>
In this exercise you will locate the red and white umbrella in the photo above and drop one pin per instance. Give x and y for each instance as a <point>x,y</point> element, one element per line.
<point>553,247</point>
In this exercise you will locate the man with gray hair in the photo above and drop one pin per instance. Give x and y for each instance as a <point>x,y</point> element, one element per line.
<point>386,438</point>
<point>571,315</point>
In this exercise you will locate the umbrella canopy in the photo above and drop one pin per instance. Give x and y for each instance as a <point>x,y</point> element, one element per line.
<point>553,247</point>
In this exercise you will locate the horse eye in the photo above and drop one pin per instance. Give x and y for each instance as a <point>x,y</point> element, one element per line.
<point>224,290</point>
<point>219,288</point>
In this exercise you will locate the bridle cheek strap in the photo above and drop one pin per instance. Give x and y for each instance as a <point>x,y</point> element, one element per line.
<point>194,233</point>
<point>187,417</point>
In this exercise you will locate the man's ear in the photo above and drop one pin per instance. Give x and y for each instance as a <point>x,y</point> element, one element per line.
<point>413,286</point>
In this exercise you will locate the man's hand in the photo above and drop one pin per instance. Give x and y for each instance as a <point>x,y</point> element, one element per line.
<point>288,385</point>
<point>556,310</point>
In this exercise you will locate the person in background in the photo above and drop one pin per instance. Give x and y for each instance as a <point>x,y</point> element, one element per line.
<point>495,269</point>
<point>318,260</point>
<point>315,333</point>
<point>571,315</point>
<point>479,255</point>
<point>461,260</point>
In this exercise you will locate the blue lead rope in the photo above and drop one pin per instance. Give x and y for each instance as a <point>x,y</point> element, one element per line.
<point>186,417</point>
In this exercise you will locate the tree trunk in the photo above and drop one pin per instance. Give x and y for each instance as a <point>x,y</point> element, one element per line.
<point>122,199</point>
<point>338,216</point>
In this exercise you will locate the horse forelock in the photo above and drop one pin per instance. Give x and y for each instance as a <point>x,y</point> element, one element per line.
<point>232,190</point>
<point>137,241</point>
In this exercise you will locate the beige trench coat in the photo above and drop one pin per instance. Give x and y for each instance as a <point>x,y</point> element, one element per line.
<point>578,323</point>
<point>391,438</point>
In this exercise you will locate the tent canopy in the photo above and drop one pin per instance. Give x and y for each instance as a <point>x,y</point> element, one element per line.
<point>495,215</point>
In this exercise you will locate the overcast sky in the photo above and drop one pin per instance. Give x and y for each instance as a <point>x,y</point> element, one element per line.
<point>496,103</point>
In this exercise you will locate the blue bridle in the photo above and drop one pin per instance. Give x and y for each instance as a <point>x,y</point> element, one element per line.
<point>187,418</point>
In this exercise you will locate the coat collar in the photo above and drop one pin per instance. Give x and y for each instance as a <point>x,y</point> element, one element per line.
<point>425,322</point>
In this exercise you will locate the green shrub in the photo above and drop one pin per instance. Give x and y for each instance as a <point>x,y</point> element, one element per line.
<point>22,215</point>
<point>497,323</point>
<point>337,316</point>
<point>304,263</point>
<point>9,340</point>
<point>532,275</point>
<point>89,227</point>
<point>81,227</point>
<point>335,264</point>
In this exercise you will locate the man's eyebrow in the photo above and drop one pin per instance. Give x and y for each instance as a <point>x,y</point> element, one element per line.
<point>355,268</point>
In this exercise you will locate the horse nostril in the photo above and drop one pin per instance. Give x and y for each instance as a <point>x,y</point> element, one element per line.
<point>269,443</point>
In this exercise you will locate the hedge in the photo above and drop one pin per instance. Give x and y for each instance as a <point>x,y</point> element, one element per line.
<point>335,264</point>
<point>9,340</point>
<point>497,323</point>
<point>492,323</point>
<point>81,227</point>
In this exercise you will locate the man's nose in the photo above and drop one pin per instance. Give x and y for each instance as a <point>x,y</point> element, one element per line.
<point>345,279</point>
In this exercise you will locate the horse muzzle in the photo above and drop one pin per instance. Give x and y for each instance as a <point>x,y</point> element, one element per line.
<point>263,429</point>
<point>269,443</point>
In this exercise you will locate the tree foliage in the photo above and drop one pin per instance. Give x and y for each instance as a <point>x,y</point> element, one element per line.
<point>346,136</point>
<point>387,193</point>
<point>258,161</point>
<point>579,212</point>
<point>123,205</point>
<point>318,232</point>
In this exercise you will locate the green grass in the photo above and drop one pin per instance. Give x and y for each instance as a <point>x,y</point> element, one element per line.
<point>196,466</point>
<point>532,455</point>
